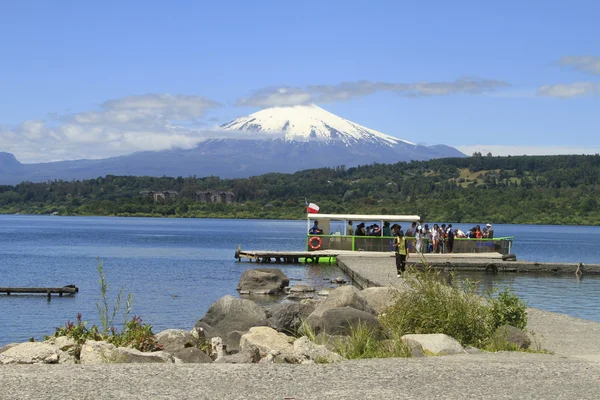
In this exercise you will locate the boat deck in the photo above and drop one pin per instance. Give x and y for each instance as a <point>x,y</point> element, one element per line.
<point>268,256</point>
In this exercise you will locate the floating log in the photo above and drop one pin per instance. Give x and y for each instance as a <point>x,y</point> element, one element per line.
<point>48,291</point>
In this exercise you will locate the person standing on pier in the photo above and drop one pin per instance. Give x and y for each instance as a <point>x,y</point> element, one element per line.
<point>401,252</point>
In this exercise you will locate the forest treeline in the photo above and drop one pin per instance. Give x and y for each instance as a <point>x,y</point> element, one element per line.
<point>525,189</point>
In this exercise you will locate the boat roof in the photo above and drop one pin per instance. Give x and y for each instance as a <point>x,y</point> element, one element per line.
<point>365,217</point>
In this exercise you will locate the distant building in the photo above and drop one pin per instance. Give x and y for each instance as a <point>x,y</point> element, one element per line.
<point>214,196</point>
<point>160,194</point>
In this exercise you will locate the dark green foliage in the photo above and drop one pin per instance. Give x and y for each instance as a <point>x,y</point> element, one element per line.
<point>508,309</point>
<point>524,189</point>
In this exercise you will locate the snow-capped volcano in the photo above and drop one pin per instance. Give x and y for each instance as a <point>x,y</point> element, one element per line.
<point>280,139</point>
<point>305,123</point>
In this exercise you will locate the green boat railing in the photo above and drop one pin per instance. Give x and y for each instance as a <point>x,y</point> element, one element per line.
<point>502,245</point>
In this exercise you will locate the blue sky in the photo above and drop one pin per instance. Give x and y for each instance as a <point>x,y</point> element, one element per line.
<point>94,79</point>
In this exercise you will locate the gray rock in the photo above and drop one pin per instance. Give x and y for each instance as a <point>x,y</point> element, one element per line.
<point>62,342</point>
<point>288,317</point>
<point>68,348</point>
<point>301,289</point>
<point>192,355</point>
<point>345,296</point>
<point>262,281</point>
<point>268,341</point>
<point>229,314</point>
<point>173,340</point>
<point>341,321</point>
<point>232,341</point>
<point>128,355</point>
<point>98,352</point>
<point>31,353</point>
<point>8,346</point>
<point>512,335</point>
<point>436,344</point>
<point>304,350</point>
<point>243,357</point>
<point>416,350</point>
<point>380,298</point>
<point>473,350</point>
<point>298,297</point>
<point>323,292</point>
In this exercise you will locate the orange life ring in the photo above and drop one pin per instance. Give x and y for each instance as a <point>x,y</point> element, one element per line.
<point>317,245</point>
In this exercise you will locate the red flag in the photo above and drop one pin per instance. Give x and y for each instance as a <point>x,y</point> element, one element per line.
<point>312,208</point>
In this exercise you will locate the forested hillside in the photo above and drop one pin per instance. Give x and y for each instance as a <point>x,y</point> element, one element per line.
<point>524,189</point>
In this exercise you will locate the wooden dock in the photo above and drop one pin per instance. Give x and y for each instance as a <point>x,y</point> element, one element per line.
<point>48,291</point>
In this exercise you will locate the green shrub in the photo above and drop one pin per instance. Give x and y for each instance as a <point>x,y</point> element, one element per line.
<point>135,334</point>
<point>432,307</point>
<point>508,309</point>
<point>363,342</point>
<point>78,331</point>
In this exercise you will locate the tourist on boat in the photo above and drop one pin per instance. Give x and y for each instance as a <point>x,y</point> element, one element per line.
<point>401,250</point>
<point>435,236</point>
<point>376,231</point>
<point>449,239</point>
<point>419,240</point>
<point>410,232</point>
<point>490,231</point>
<point>442,238</point>
<point>360,230</point>
<point>478,232</point>
<point>427,239</point>
<point>386,229</point>
<point>350,229</point>
<point>315,230</point>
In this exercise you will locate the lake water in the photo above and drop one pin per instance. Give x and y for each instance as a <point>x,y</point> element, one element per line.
<point>176,268</point>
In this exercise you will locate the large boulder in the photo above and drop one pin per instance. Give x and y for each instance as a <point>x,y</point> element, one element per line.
<point>31,353</point>
<point>243,357</point>
<point>228,315</point>
<point>268,340</point>
<point>69,349</point>
<point>438,344</point>
<point>8,346</point>
<point>341,321</point>
<point>380,298</point>
<point>128,355</point>
<point>173,340</point>
<point>305,350</point>
<point>345,296</point>
<point>512,335</point>
<point>98,352</point>
<point>191,355</point>
<point>288,317</point>
<point>262,281</point>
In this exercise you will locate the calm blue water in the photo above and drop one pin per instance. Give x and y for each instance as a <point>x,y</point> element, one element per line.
<point>176,268</point>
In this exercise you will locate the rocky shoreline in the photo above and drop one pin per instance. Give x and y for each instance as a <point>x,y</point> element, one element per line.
<point>241,332</point>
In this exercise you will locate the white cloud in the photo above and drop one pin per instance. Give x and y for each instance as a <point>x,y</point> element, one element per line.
<point>288,96</point>
<point>501,150</point>
<point>589,64</point>
<point>121,126</point>
<point>567,90</point>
